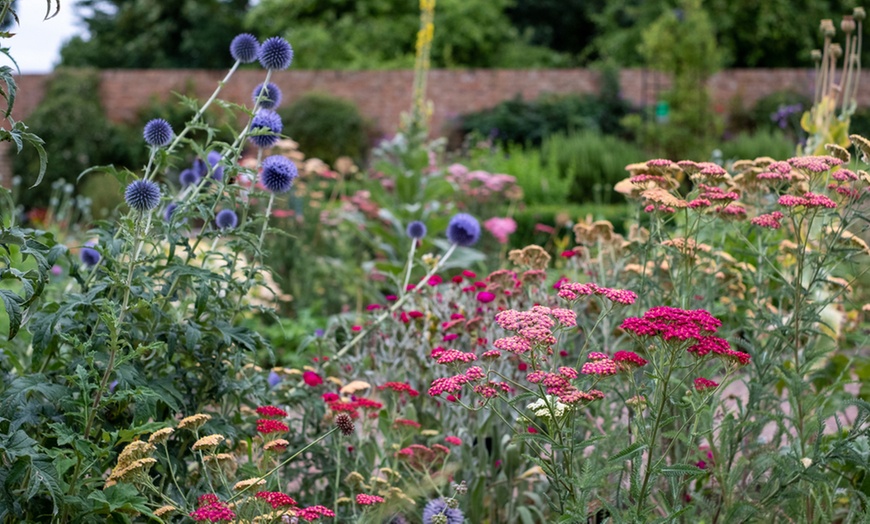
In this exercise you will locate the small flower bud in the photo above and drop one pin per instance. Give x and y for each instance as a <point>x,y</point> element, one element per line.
<point>439,519</point>
<point>461,488</point>
<point>452,503</point>
<point>344,423</point>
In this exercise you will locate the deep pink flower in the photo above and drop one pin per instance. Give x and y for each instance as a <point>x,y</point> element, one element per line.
<point>501,228</point>
<point>456,441</point>
<point>266,426</point>
<point>276,499</point>
<point>312,379</point>
<point>434,280</point>
<point>367,500</point>
<point>271,411</point>
<point>485,297</point>
<point>703,384</point>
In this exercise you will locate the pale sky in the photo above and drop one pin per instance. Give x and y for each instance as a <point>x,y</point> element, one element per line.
<point>36,44</point>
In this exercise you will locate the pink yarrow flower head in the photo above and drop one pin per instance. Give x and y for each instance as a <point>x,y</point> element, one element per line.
<point>628,360</point>
<point>271,411</point>
<point>456,441</point>
<point>703,384</point>
<point>368,500</point>
<point>769,220</point>
<point>266,426</point>
<point>501,228</point>
<point>312,379</point>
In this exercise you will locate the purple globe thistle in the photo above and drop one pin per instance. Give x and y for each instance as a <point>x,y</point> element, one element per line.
<point>274,378</point>
<point>142,195</point>
<point>226,219</point>
<point>199,167</point>
<point>266,120</point>
<point>214,159</point>
<point>170,209</point>
<point>276,53</point>
<point>188,177</point>
<point>245,48</point>
<point>157,133</point>
<point>440,507</point>
<point>278,173</point>
<point>463,230</point>
<point>89,256</point>
<point>269,96</point>
<point>416,230</point>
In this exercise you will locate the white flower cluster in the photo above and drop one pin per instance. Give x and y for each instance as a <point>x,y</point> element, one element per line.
<point>541,407</point>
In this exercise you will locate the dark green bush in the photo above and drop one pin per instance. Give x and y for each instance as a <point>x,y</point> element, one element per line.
<point>327,127</point>
<point>593,161</point>
<point>81,138</point>
<point>765,142</point>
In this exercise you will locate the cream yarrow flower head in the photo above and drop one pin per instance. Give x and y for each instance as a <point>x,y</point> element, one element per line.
<point>542,407</point>
<point>160,436</point>
<point>194,422</point>
<point>276,446</point>
<point>134,451</point>
<point>164,510</point>
<point>247,483</point>
<point>208,443</point>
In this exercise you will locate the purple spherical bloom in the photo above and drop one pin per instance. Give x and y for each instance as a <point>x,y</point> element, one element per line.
<point>188,177</point>
<point>463,230</point>
<point>214,159</point>
<point>318,332</point>
<point>170,209</point>
<point>89,256</point>
<point>245,48</point>
<point>226,219</point>
<point>416,230</point>
<point>274,378</point>
<point>269,96</point>
<point>278,173</point>
<point>57,270</point>
<point>199,167</point>
<point>276,53</point>
<point>142,195</point>
<point>266,120</point>
<point>440,507</point>
<point>158,133</point>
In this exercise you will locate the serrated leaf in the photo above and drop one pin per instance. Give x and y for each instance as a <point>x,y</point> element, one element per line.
<point>628,452</point>
<point>12,305</point>
<point>677,470</point>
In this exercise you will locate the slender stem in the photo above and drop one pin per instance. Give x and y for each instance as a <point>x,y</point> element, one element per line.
<point>397,305</point>
<point>410,266</point>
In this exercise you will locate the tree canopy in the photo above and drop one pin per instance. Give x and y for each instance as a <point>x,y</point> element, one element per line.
<point>155,33</point>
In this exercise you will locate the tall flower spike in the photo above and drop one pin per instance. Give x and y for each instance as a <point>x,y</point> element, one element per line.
<point>278,173</point>
<point>266,120</point>
<point>276,53</point>
<point>142,195</point>
<point>157,133</point>
<point>269,96</point>
<point>463,230</point>
<point>245,48</point>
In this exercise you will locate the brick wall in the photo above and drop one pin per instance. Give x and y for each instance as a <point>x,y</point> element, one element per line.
<point>384,95</point>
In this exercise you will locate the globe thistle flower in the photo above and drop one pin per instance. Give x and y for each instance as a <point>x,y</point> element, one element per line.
<point>416,230</point>
<point>142,195</point>
<point>170,209</point>
<point>226,219</point>
<point>214,159</point>
<point>89,256</point>
<point>439,506</point>
<point>188,177</point>
<point>278,173</point>
<point>199,168</point>
<point>266,120</point>
<point>157,133</point>
<point>276,53</point>
<point>268,95</point>
<point>463,230</point>
<point>245,48</point>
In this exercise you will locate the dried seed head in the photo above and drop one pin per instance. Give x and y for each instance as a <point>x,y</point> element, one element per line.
<point>859,14</point>
<point>194,422</point>
<point>344,423</point>
<point>827,27</point>
<point>160,436</point>
<point>847,25</point>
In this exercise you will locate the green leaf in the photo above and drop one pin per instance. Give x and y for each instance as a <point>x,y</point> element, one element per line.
<point>12,304</point>
<point>628,452</point>
<point>677,470</point>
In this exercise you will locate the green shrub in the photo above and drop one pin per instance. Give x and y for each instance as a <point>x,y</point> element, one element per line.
<point>593,162</point>
<point>772,143</point>
<point>327,127</point>
<point>81,138</point>
<point>539,178</point>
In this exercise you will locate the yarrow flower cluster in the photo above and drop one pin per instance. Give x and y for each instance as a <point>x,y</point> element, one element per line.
<point>769,220</point>
<point>368,500</point>
<point>573,290</point>
<point>703,384</point>
<point>267,426</point>
<point>695,328</point>
<point>276,499</point>
<point>271,411</point>
<point>808,200</point>
<point>211,509</point>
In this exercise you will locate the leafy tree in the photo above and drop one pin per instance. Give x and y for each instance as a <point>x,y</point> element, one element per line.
<point>155,33</point>
<point>381,33</point>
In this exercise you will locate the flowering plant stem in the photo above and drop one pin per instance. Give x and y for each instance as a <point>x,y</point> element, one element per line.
<point>355,340</point>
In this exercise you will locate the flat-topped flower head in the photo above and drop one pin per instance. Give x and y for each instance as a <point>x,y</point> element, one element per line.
<point>278,173</point>
<point>463,230</point>
<point>268,96</point>
<point>416,230</point>
<point>157,133</point>
<point>245,48</point>
<point>269,123</point>
<point>703,384</point>
<point>142,195</point>
<point>276,53</point>
<point>226,219</point>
